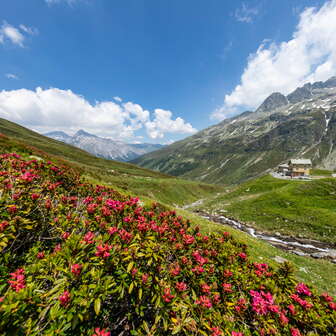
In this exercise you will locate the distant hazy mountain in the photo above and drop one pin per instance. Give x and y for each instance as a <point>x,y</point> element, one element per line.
<point>301,124</point>
<point>103,147</point>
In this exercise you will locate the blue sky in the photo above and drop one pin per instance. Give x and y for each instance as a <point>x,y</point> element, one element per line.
<point>178,65</point>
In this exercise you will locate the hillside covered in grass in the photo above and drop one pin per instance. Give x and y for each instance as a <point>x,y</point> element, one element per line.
<point>172,192</point>
<point>122,176</point>
<point>299,208</point>
<point>80,259</point>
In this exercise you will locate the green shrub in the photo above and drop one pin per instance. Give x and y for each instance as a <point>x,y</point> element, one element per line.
<point>79,259</point>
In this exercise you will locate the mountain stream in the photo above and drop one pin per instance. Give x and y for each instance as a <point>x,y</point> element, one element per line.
<point>299,246</point>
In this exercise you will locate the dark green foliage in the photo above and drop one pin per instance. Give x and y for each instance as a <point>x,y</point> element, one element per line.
<point>79,259</point>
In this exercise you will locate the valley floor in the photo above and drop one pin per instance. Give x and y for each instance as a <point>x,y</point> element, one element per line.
<point>302,209</point>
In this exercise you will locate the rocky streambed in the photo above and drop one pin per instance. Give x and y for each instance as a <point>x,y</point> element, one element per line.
<point>299,246</point>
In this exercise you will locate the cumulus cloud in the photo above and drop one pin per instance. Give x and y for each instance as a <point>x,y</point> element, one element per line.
<point>56,109</point>
<point>11,76</point>
<point>15,35</point>
<point>163,123</point>
<point>137,116</point>
<point>310,55</point>
<point>245,13</point>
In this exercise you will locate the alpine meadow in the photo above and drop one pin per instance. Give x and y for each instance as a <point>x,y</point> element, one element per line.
<point>168,168</point>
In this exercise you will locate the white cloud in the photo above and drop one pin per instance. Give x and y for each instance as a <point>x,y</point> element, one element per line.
<point>11,33</point>
<point>245,13</point>
<point>28,30</point>
<point>118,99</point>
<point>163,123</point>
<point>56,109</point>
<point>137,116</point>
<point>69,2</point>
<point>310,55</point>
<point>11,76</point>
<point>15,35</point>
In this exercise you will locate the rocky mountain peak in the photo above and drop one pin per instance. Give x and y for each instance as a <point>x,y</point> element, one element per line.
<point>300,94</point>
<point>81,132</point>
<point>330,83</point>
<point>276,99</point>
<point>307,90</point>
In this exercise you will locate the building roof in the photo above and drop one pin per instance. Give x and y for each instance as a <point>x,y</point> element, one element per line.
<point>284,165</point>
<point>301,161</point>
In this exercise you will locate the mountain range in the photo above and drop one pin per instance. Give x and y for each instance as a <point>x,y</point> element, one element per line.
<point>104,147</point>
<point>299,125</point>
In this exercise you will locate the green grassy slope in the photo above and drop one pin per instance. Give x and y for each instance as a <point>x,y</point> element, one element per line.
<point>122,176</point>
<point>70,153</point>
<point>291,207</point>
<point>131,180</point>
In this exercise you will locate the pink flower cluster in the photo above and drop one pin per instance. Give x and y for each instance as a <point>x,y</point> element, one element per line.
<point>236,333</point>
<point>65,235</point>
<point>199,258</point>
<point>241,305</point>
<point>103,251</point>
<point>242,256</point>
<point>144,278</point>
<point>303,303</point>
<point>76,269</point>
<point>198,269</point>
<point>262,303</point>
<point>101,332</point>
<point>167,295</point>
<point>125,236</point>
<point>227,288</point>
<point>216,331</point>
<point>64,298</point>
<point>3,225</point>
<point>295,332</point>
<point>204,301</point>
<point>181,286</point>
<point>28,176</point>
<point>175,270</point>
<point>17,281</point>
<point>91,208</point>
<point>205,288</point>
<point>89,238</point>
<point>301,288</point>
<point>188,239</point>
<point>261,269</point>
<point>115,204</point>
<point>40,255</point>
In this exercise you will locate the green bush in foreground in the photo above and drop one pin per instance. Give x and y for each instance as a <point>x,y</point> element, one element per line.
<point>79,259</point>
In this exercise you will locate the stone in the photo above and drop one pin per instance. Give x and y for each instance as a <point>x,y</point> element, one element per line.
<point>279,259</point>
<point>299,253</point>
